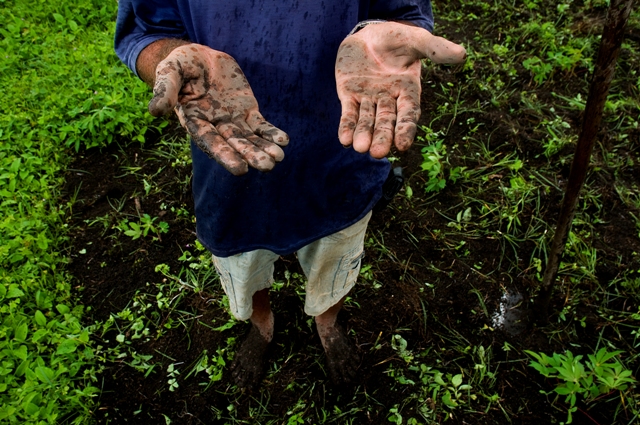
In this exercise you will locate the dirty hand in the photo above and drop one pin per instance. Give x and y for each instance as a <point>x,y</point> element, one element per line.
<point>378,81</point>
<point>215,104</point>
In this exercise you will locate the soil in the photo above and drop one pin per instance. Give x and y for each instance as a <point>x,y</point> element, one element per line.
<point>115,267</point>
<point>410,251</point>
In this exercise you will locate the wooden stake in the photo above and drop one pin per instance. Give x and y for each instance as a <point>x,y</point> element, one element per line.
<point>612,36</point>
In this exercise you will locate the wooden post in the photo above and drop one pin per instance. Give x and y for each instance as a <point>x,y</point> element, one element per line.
<point>612,36</point>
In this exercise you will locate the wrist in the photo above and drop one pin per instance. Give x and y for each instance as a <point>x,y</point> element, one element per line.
<point>153,54</point>
<point>363,24</point>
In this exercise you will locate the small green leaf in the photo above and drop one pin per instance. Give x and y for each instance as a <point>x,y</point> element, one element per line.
<point>14,291</point>
<point>37,335</point>
<point>67,346</point>
<point>21,332</point>
<point>42,241</point>
<point>21,352</point>
<point>31,409</point>
<point>133,234</point>
<point>40,319</point>
<point>22,368</point>
<point>446,399</point>
<point>62,309</point>
<point>456,380</point>
<point>15,165</point>
<point>87,104</point>
<point>45,374</point>
<point>409,192</point>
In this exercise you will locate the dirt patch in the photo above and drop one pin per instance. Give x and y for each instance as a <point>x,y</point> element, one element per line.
<point>110,267</point>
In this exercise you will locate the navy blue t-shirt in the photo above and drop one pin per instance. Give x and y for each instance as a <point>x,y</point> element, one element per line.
<point>287,50</point>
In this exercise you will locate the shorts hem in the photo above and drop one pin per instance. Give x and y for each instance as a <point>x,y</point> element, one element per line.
<point>320,310</point>
<point>266,284</point>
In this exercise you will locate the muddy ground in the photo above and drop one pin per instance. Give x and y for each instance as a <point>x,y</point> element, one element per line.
<point>422,286</point>
<point>115,266</point>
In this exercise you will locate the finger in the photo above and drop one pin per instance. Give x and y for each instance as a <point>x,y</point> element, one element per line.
<point>270,148</point>
<point>408,115</point>
<point>256,157</point>
<point>264,129</point>
<point>207,138</point>
<point>364,128</point>
<point>384,127</point>
<point>348,121</point>
<point>179,110</point>
<point>273,150</point>
<point>166,88</point>
<point>441,50</point>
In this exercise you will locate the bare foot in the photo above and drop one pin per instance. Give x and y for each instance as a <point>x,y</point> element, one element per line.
<point>248,365</point>
<point>342,359</point>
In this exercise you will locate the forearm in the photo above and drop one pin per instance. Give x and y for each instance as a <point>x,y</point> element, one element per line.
<point>152,55</point>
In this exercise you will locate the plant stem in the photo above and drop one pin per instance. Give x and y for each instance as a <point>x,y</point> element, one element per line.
<point>612,36</point>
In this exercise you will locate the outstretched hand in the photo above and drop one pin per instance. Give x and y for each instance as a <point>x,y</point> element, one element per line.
<point>215,104</point>
<point>378,81</point>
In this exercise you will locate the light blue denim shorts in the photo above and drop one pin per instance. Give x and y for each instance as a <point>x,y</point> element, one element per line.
<point>331,265</point>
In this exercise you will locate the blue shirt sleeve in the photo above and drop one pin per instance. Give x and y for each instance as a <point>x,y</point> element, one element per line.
<point>418,12</point>
<point>140,23</point>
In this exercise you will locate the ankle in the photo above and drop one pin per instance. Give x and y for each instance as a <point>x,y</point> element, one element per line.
<point>327,332</point>
<point>264,324</point>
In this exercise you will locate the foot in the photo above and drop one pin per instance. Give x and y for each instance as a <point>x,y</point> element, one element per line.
<point>342,358</point>
<point>248,365</point>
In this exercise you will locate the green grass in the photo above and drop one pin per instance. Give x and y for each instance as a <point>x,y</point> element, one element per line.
<point>62,88</point>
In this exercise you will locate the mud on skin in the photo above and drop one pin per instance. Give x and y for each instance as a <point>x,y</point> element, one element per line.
<point>379,62</point>
<point>368,84</point>
<point>248,366</point>
<point>237,167</point>
<point>342,358</point>
<point>208,104</point>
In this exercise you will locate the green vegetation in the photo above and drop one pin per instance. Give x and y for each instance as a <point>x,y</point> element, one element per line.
<point>434,161</point>
<point>597,379</point>
<point>137,230</point>
<point>58,73</point>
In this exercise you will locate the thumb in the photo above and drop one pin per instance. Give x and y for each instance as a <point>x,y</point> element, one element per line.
<point>166,88</point>
<point>441,50</point>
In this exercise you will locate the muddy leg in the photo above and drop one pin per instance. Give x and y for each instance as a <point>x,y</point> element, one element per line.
<point>248,364</point>
<point>342,359</point>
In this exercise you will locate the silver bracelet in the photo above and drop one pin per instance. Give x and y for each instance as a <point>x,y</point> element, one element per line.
<point>363,24</point>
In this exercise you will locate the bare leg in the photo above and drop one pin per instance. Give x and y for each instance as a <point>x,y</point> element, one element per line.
<point>248,364</point>
<point>342,359</point>
<point>262,316</point>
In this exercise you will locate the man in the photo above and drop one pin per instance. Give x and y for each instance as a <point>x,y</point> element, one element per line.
<point>224,67</point>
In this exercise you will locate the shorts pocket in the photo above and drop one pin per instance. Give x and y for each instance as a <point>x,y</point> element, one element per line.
<point>347,272</point>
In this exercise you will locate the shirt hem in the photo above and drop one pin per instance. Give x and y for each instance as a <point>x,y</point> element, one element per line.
<point>294,247</point>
